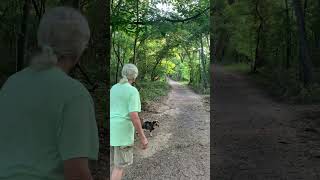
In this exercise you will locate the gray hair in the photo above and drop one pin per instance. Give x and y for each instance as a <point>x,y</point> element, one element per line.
<point>129,72</point>
<point>63,31</point>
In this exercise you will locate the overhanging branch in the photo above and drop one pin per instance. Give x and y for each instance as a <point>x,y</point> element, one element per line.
<point>187,19</point>
<point>162,19</point>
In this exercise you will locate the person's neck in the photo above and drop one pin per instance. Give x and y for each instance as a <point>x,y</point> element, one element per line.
<point>130,82</point>
<point>65,65</point>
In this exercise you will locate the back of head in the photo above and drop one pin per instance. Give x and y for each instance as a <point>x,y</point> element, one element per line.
<point>129,72</point>
<point>63,31</point>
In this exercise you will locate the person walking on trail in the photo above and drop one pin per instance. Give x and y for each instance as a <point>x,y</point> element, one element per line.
<point>124,120</point>
<point>48,128</point>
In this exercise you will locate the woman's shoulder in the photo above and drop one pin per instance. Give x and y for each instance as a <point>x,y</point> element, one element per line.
<point>71,86</point>
<point>134,90</point>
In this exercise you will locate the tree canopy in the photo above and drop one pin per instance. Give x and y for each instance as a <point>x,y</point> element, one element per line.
<point>163,38</point>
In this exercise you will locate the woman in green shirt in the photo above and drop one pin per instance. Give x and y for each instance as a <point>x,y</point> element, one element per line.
<point>48,129</point>
<point>124,119</point>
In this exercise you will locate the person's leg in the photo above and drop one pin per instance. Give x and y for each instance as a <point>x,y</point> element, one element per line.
<point>117,173</point>
<point>123,157</point>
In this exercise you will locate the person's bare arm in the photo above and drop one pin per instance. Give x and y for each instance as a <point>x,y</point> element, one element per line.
<point>77,169</point>
<point>137,124</point>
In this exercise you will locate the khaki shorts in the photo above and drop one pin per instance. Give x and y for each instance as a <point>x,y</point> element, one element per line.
<point>121,156</point>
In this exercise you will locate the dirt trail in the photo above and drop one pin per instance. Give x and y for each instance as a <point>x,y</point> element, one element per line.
<point>255,138</point>
<point>180,148</point>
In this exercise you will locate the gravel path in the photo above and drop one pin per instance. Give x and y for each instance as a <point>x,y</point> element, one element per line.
<point>255,138</point>
<point>180,148</point>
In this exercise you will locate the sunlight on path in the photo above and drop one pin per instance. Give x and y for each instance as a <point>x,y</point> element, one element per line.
<point>156,144</point>
<point>180,148</point>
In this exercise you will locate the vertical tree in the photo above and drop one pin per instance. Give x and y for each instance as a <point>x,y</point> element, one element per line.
<point>288,36</point>
<point>103,44</point>
<point>134,59</point>
<point>203,63</point>
<point>258,57</point>
<point>211,32</point>
<point>304,52</point>
<point>23,36</point>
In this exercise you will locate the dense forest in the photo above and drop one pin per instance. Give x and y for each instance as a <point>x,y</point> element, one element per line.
<point>278,41</point>
<point>164,39</point>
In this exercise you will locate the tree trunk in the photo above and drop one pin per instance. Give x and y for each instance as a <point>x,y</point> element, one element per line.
<point>23,36</point>
<point>259,30</point>
<point>200,70</point>
<point>304,52</point>
<point>43,6</point>
<point>317,33</point>
<point>37,9</point>
<point>305,7</point>
<point>190,65</point>
<point>258,56</point>
<point>117,73</point>
<point>117,53</point>
<point>181,57</point>
<point>137,34</point>
<point>105,48</point>
<point>203,63</point>
<point>221,45</point>
<point>288,36</point>
<point>160,56</point>
<point>211,47</point>
<point>153,74</point>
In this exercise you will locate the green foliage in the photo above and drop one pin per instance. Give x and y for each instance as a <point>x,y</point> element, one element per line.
<point>182,72</point>
<point>163,48</point>
<point>241,41</point>
<point>285,85</point>
<point>282,84</point>
<point>167,67</point>
<point>152,90</point>
<point>263,34</point>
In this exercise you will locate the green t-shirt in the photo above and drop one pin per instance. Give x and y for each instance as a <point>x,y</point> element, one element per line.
<point>124,99</point>
<point>46,117</point>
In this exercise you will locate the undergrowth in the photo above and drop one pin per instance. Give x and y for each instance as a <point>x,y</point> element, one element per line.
<point>152,90</point>
<point>281,84</point>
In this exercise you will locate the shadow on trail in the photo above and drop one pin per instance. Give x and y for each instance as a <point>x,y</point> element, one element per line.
<point>252,136</point>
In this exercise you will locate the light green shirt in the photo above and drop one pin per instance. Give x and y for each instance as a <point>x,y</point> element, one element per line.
<point>124,99</point>
<point>45,117</point>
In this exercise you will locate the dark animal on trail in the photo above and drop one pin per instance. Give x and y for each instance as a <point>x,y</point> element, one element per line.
<point>150,126</point>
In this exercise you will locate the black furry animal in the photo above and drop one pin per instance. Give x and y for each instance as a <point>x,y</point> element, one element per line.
<point>150,126</point>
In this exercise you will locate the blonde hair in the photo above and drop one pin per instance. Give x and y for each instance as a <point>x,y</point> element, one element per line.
<point>129,72</point>
<point>62,31</point>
